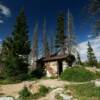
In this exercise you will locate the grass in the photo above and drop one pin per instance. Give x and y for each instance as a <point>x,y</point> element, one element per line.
<point>7,81</point>
<point>58,97</point>
<point>42,92</point>
<point>85,91</point>
<point>77,74</point>
<point>98,75</point>
<point>25,94</point>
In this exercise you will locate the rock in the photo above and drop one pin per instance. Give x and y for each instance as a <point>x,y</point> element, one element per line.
<point>34,88</point>
<point>97,83</point>
<point>16,97</point>
<point>69,92</point>
<point>52,94</point>
<point>75,99</point>
<point>66,97</point>
<point>6,98</point>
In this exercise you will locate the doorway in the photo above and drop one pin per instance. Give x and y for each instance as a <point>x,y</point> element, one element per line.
<point>60,68</point>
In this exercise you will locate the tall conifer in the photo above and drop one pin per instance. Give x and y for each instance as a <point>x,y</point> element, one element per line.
<point>91,56</point>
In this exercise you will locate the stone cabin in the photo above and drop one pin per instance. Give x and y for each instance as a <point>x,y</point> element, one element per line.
<point>54,64</point>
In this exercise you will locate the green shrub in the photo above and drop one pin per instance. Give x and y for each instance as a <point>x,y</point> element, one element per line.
<point>58,97</point>
<point>24,93</point>
<point>97,74</point>
<point>42,92</point>
<point>38,73</point>
<point>70,60</point>
<point>77,74</point>
<point>98,65</point>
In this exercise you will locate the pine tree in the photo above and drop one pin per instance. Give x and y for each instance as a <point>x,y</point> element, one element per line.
<point>60,36</point>
<point>7,58</point>
<point>16,50</point>
<point>91,56</point>
<point>20,36</point>
<point>7,46</point>
<point>79,59</point>
<point>5,52</point>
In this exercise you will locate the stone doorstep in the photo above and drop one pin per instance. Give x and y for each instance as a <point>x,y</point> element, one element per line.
<point>6,98</point>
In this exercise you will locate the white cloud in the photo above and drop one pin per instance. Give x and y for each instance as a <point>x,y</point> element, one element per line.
<point>5,10</point>
<point>95,43</point>
<point>89,36</point>
<point>1,21</point>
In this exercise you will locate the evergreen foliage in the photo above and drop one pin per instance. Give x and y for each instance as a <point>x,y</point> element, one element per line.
<point>79,62</point>
<point>70,59</point>
<point>60,36</point>
<point>38,73</point>
<point>20,37</point>
<point>16,50</point>
<point>91,56</point>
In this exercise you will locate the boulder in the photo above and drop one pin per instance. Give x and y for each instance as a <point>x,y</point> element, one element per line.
<point>97,83</point>
<point>66,97</point>
<point>6,98</point>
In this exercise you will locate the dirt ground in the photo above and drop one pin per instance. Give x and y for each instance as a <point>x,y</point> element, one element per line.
<point>13,89</point>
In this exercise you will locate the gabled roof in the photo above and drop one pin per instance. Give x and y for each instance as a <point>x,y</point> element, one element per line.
<point>55,58</point>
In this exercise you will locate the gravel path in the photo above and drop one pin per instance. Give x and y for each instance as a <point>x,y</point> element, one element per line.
<point>13,89</point>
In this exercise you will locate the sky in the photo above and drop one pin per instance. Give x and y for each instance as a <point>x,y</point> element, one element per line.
<point>37,9</point>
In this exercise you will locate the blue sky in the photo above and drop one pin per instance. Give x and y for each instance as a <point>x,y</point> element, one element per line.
<point>37,9</point>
